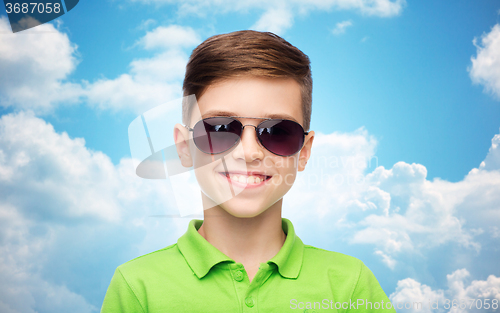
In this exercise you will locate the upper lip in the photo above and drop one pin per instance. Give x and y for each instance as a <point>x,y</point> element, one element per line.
<point>247,173</point>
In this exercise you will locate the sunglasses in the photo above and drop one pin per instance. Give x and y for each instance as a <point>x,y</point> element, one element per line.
<point>214,135</point>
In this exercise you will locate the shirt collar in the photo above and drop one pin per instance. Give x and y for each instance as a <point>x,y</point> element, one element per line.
<point>201,256</point>
<point>289,258</point>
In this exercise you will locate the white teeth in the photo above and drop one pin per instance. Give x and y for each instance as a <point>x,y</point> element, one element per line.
<point>244,179</point>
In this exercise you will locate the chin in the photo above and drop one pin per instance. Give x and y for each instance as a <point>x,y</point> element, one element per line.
<point>247,208</point>
<point>242,213</point>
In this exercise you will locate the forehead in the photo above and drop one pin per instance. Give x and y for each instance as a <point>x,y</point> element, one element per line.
<point>252,97</point>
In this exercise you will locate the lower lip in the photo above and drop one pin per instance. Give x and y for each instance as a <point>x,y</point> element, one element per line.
<point>242,185</point>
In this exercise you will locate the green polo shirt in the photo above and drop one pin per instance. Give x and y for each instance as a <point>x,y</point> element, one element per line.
<point>193,276</point>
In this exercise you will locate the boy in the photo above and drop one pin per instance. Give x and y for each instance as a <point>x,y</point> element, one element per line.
<point>249,131</point>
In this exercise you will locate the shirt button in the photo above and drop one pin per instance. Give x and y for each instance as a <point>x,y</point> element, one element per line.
<point>238,276</point>
<point>249,302</point>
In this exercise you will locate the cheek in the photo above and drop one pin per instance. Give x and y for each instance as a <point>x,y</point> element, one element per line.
<point>203,167</point>
<point>290,172</point>
<point>209,180</point>
<point>286,165</point>
<point>287,180</point>
<point>287,170</point>
<point>205,161</point>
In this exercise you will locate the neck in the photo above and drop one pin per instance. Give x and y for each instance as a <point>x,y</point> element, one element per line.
<point>249,241</point>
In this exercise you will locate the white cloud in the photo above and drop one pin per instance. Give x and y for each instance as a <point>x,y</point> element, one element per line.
<point>492,160</point>
<point>279,15</point>
<point>416,297</point>
<point>404,218</point>
<point>61,196</point>
<point>38,162</point>
<point>274,20</point>
<point>35,68</point>
<point>126,92</point>
<point>35,65</point>
<point>340,27</point>
<point>485,69</point>
<point>170,37</point>
<point>386,259</point>
<point>418,214</point>
<point>468,298</point>
<point>426,214</point>
<point>151,81</point>
<point>145,25</point>
<point>63,207</point>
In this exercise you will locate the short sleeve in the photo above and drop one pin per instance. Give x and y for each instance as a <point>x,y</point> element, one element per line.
<point>120,297</point>
<point>369,295</point>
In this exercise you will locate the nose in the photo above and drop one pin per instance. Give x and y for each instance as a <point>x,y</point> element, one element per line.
<point>249,147</point>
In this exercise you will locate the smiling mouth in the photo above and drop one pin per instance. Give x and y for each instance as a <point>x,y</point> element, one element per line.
<point>245,179</point>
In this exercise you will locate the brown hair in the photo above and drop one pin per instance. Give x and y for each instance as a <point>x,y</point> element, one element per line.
<point>247,53</point>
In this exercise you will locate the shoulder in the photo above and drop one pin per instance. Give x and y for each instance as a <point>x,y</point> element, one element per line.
<point>348,276</point>
<point>337,267</point>
<point>158,260</point>
<point>134,280</point>
<point>332,260</point>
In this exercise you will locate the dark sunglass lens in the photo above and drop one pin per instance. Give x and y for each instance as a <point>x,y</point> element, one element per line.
<point>281,137</point>
<point>216,134</point>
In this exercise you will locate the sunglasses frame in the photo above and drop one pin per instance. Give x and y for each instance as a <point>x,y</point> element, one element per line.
<point>255,127</point>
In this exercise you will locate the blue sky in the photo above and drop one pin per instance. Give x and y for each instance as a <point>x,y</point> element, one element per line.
<point>413,85</point>
<point>402,77</point>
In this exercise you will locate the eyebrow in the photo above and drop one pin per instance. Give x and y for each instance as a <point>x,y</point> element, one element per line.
<point>212,113</point>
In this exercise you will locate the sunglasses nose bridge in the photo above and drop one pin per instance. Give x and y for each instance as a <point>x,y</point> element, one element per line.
<point>256,137</point>
<point>243,126</point>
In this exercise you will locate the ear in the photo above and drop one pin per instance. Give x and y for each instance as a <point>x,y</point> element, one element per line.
<point>305,153</point>
<point>181,139</point>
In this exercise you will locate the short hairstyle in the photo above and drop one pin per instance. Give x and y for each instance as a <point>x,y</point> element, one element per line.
<point>246,53</point>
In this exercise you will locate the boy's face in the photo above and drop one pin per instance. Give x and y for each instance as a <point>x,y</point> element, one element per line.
<point>248,97</point>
